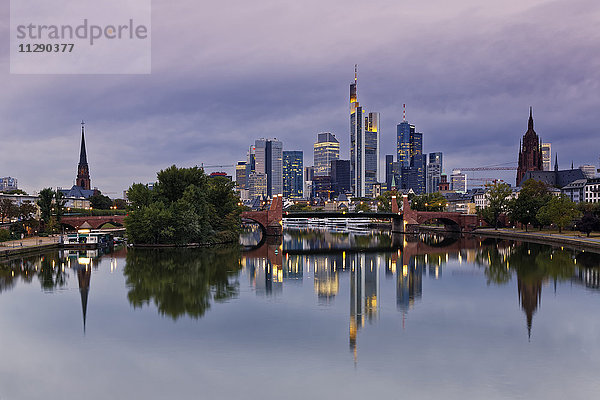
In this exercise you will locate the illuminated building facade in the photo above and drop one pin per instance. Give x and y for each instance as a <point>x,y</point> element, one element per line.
<point>411,161</point>
<point>547,156</point>
<point>434,172</point>
<point>269,161</point>
<point>364,145</point>
<point>293,181</point>
<point>326,149</point>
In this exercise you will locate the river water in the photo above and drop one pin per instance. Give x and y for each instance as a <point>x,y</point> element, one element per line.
<point>314,315</point>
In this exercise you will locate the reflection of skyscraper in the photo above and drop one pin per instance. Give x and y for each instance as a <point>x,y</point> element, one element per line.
<point>409,285</point>
<point>326,278</point>
<point>364,292</point>
<point>530,295</point>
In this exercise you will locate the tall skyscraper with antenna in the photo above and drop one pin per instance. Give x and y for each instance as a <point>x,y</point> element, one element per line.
<point>364,145</point>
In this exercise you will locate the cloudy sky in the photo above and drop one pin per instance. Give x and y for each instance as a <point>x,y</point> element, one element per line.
<point>227,72</point>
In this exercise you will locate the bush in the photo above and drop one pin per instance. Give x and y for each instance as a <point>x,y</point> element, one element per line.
<point>4,235</point>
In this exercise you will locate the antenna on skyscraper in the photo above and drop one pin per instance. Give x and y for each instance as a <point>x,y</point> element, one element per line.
<point>404,112</point>
<point>355,73</point>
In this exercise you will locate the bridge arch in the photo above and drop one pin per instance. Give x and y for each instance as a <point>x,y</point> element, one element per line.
<point>450,224</point>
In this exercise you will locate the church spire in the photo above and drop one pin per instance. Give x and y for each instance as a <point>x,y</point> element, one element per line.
<point>82,153</point>
<point>556,162</point>
<point>530,124</point>
<point>83,170</point>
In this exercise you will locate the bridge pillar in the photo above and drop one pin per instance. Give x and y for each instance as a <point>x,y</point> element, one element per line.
<point>397,225</point>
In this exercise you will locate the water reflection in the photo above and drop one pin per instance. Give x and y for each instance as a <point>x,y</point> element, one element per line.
<point>182,281</point>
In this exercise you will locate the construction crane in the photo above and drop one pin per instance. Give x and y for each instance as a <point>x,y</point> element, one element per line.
<point>217,166</point>
<point>488,169</point>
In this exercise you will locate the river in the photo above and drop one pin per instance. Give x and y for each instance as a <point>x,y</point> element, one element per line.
<point>313,314</point>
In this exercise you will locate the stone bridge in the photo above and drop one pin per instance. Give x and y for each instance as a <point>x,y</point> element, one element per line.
<point>92,222</point>
<point>403,221</point>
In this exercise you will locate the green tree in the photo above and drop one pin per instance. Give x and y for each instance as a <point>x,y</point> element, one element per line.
<point>100,202</point>
<point>184,207</point>
<point>139,196</point>
<point>588,223</point>
<point>498,197</point>
<point>59,204</point>
<point>429,202</point>
<point>45,204</point>
<point>8,210</point>
<point>533,195</point>
<point>560,211</point>
<point>17,191</point>
<point>120,204</point>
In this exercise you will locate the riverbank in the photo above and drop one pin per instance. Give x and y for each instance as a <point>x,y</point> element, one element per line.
<point>29,245</point>
<point>544,237</point>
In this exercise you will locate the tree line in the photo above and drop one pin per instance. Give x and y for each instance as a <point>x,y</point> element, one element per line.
<point>538,207</point>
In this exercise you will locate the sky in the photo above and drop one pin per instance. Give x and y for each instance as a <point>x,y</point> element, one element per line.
<point>226,73</point>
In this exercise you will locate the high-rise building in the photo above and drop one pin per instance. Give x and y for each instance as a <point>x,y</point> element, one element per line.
<point>588,170</point>
<point>326,149</point>
<point>340,177</point>
<point>547,156</point>
<point>458,181</point>
<point>293,182</point>
<point>434,172</point>
<point>412,163</point>
<point>309,175</point>
<point>83,170</point>
<point>7,184</point>
<point>269,161</point>
<point>257,185</point>
<point>389,171</point>
<point>530,152</point>
<point>364,145</point>
<point>241,177</point>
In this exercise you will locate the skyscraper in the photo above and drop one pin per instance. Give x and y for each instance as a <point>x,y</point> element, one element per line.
<point>293,182</point>
<point>241,177</point>
<point>530,152</point>
<point>547,156</point>
<point>458,181</point>
<point>364,145</point>
<point>269,161</point>
<point>340,177</point>
<point>434,172</point>
<point>326,149</point>
<point>412,164</point>
<point>389,171</point>
<point>83,170</point>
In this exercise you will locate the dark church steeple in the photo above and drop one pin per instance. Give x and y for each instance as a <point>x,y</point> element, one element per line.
<point>83,171</point>
<point>530,152</point>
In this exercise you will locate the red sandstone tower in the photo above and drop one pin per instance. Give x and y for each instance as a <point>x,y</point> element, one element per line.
<point>530,152</point>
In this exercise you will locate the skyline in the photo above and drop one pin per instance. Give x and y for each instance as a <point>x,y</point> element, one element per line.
<point>473,73</point>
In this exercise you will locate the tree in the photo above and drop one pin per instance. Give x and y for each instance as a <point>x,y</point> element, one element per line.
<point>100,202</point>
<point>139,196</point>
<point>45,203</point>
<point>588,223</point>
<point>8,210</point>
<point>498,198</point>
<point>533,195</point>
<point>184,207</point>
<point>560,211</point>
<point>17,191</point>
<point>429,202</point>
<point>59,204</point>
<point>120,204</point>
